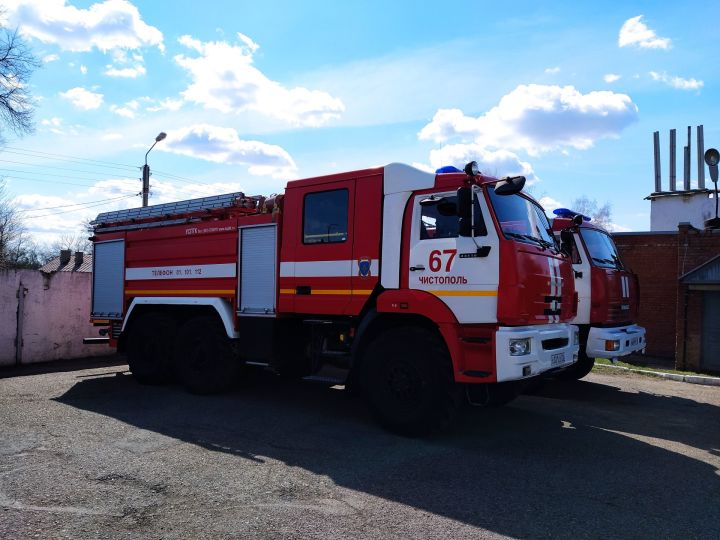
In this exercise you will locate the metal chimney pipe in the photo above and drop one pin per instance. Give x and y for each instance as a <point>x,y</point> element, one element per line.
<point>686,162</point>
<point>656,147</point>
<point>701,157</point>
<point>673,164</point>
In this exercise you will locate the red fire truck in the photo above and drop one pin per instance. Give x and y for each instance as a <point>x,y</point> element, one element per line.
<point>425,290</point>
<point>607,291</point>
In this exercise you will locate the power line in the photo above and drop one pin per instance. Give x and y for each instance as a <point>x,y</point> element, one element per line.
<point>89,203</point>
<point>52,174</point>
<point>83,161</point>
<point>66,157</point>
<point>78,209</point>
<point>48,166</point>
<point>45,181</point>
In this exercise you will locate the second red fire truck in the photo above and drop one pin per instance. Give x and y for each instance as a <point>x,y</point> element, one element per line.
<point>607,290</point>
<point>425,290</point>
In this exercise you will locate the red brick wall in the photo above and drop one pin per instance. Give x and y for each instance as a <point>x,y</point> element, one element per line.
<point>654,258</point>
<point>659,260</point>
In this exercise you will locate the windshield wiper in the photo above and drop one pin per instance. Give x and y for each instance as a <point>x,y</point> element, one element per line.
<point>605,261</point>
<point>542,243</point>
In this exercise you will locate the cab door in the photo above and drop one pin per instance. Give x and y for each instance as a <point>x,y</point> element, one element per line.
<point>462,271</point>
<point>318,268</point>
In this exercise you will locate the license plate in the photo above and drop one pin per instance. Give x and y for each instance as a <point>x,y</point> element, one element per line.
<point>557,359</point>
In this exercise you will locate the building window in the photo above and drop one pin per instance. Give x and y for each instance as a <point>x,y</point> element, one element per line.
<point>325,217</point>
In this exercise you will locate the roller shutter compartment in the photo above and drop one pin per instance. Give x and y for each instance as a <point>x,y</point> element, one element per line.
<point>108,273</point>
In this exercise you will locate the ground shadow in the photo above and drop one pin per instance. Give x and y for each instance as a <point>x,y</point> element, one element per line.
<point>547,466</point>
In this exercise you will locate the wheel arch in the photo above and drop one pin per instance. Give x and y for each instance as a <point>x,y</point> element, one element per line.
<point>182,308</point>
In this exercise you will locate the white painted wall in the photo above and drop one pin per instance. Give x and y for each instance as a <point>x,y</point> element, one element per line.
<point>56,315</point>
<point>667,211</point>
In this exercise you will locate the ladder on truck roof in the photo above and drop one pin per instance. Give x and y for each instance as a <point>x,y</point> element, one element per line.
<point>127,219</point>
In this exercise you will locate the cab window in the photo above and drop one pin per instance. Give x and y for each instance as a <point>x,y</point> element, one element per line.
<point>433,224</point>
<point>325,217</point>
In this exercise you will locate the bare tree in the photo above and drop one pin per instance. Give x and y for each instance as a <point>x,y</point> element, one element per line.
<point>16,66</point>
<point>11,228</point>
<point>601,215</point>
<point>73,241</point>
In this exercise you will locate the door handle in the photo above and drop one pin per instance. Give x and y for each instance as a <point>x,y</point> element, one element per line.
<point>417,267</point>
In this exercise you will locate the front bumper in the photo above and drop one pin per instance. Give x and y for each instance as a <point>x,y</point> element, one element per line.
<point>551,347</point>
<point>630,339</point>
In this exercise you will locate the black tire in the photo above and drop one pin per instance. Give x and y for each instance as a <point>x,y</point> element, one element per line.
<point>408,381</point>
<point>150,348</point>
<point>579,369</point>
<point>206,361</point>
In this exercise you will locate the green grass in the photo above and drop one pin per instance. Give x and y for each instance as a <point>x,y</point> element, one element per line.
<point>600,362</point>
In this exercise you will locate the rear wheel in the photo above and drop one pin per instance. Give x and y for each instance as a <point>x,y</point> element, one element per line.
<point>150,346</point>
<point>408,381</point>
<point>206,360</point>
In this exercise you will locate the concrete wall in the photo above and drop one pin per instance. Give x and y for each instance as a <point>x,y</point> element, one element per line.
<point>55,319</point>
<point>667,211</point>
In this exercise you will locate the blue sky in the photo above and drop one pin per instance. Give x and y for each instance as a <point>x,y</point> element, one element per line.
<point>252,95</point>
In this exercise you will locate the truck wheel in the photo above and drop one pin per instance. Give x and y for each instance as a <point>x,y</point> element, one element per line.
<point>149,348</point>
<point>206,361</point>
<point>579,369</point>
<point>408,381</point>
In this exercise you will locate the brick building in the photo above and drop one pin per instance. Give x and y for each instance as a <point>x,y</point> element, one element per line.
<point>679,276</point>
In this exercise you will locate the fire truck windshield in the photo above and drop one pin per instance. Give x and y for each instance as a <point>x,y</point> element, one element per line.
<point>602,249</point>
<point>521,219</point>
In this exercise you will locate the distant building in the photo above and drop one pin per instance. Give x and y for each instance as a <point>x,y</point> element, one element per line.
<point>678,264</point>
<point>66,262</point>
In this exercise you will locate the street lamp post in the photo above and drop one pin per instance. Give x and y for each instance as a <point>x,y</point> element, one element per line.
<point>146,170</point>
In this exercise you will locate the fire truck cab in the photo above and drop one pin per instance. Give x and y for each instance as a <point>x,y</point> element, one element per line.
<point>608,293</point>
<point>422,290</point>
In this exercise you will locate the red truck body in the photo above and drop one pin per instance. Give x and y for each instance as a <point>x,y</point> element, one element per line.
<point>333,273</point>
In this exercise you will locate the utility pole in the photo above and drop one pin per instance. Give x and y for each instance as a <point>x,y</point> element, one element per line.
<point>146,170</point>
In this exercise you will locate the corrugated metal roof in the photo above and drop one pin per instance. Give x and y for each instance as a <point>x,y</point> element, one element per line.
<point>705,274</point>
<point>55,266</point>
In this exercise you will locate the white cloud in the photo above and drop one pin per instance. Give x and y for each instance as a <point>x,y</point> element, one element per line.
<point>104,25</point>
<point>677,82</point>
<point>552,70</point>
<point>83,69</point>
<point>50,58</point>
<point>496,163</point>
<point>223,145</point>
<point>225,79</point>
<point>611,78</point>
<point>635,32</point>
<point>128,110</point>
<point>111,137</point>
<point>54,121</point>
<point>126,72</point>
<point>167,104</point>
<point>538,118</point>
<point>120,67</point>
<point>82,98</point>
<point>549,204</point>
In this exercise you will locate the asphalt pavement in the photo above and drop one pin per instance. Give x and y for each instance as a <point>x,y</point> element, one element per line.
<point>91,453</point>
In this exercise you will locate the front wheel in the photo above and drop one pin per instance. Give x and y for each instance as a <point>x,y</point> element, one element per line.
<point>206,360</point>
<point>579,369</point>
<point>409,383</point>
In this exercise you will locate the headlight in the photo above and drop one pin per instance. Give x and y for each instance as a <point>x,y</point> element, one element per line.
<point>576,337</point>
<point>612,345</point>
<point>519,347</point>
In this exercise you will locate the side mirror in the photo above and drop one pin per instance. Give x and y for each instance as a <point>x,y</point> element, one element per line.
<point>464,210</point>
<point>510,185</point>
<point>577,220</point>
